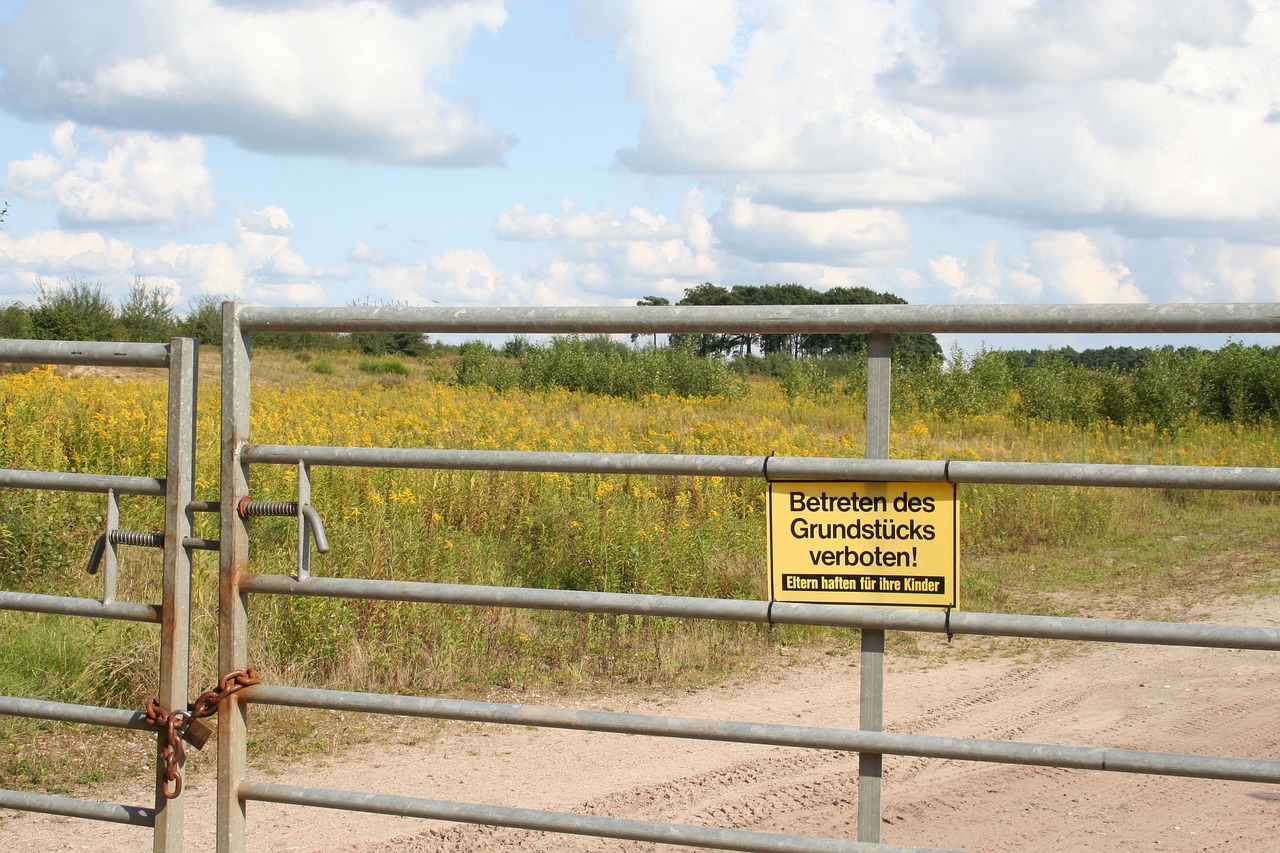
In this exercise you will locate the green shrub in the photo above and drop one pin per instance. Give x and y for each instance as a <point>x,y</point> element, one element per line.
<point>391,343</point>
<point>596,365</point>
<point>203,321</point>
<point>77,311</point>
<point>383,367</point>
<point>146,314</point>
<point>806,378</point>
<point>1241,383</point>
<point>1165,387</point>
<point>481,364</point>
<point>15,322</point>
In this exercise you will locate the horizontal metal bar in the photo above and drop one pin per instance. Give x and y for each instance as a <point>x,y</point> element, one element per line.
<point>781,613</point>
<point>507,460</point>
<point>1123,476</point>
<point>808,737</point>
<point>66,712</point>
<point>839,319</point>
<point>63,481</point>
<point>599,826</point>
<point>71,807</point>
<point>201,544</point>
<point>126,611</point>
<point>91,353</point>
<point>777,467</point>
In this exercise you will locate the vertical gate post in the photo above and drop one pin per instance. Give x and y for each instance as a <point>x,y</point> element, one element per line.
<point>233,604</point>
<point>871,666</point>
<point>175,624</point>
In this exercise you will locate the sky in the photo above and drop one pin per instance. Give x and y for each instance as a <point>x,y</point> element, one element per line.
<point>553,152</point>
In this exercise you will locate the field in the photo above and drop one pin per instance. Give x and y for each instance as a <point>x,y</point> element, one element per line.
<point>1147,553</point>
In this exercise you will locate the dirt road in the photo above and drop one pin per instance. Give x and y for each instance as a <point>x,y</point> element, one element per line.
<point>1168,699</point>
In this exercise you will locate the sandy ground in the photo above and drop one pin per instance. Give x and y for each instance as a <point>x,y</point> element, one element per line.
<point>1168,699</point>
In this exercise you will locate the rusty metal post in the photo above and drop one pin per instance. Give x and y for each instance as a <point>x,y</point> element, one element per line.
<point>233,603</point>
<point>871,667</point>
<point>175,620</point>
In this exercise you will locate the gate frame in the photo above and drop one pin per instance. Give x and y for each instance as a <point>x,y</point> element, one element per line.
<point>879,322</point>
<point>180,357</point>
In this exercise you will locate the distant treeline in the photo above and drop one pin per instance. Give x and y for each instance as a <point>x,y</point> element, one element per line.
<point>1164,387</point>
<point>1157,385</point>
<point>912,348</point>
<point>79,311</point>
<point>1123,359</point>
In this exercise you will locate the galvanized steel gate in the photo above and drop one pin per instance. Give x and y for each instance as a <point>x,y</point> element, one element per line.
<point>240,453</point>
<point>239,581</point>
<point>171,614</point>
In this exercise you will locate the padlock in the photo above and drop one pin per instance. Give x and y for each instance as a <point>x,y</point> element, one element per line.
<point>196,733</point>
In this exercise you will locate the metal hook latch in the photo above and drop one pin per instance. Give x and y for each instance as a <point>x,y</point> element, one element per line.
<point>309,523</point>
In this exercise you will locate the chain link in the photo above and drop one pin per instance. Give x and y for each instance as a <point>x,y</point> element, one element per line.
<point>172,723</point>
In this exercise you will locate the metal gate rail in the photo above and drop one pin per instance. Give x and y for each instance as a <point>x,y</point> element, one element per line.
<point>879,322</point>
<point>1194,634</point>
<point>771,734</point>
<point>179,357</point>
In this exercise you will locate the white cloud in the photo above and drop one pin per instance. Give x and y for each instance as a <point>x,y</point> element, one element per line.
<point>600,225</point>
<point>367,253</point>
<point>1016,45</point>
<point>985,275</point>
<point>269,220</point>
<point>462,277</point>
<point>1141,115</point>
<point>126,179</point>
<point>1055,266</point>
<point>950,271</point>
<point>613,254</point>
<point>1218,271</point>
<point>1072,266</point>
<point>25,177</point>
<point>848,237</point>
<point>1076,269</point>
<point>346,79</point>
<point>258,263</point>
<point>58,254</point>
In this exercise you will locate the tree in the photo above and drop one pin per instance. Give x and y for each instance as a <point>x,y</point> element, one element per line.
<point>146,314</point>
<point>77,311</point>
<point>907,348</point>
<point>391,343</point>
<point>650,300</point>
<point>705,294</point>
<point>203,321</point>
<point>15,322</point>
<point>409,344</point>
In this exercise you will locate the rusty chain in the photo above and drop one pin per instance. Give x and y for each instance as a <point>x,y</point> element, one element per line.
<point>172,724</point>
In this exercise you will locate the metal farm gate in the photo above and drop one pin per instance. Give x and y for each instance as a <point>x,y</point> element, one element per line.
<point>171,614</point>
<point>240,454</point>
<point>239,583</point>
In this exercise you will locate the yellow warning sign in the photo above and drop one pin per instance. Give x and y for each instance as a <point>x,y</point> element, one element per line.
<point>891,544</point>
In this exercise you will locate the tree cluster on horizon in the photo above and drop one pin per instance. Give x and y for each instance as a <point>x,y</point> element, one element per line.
<point>913,348</point>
